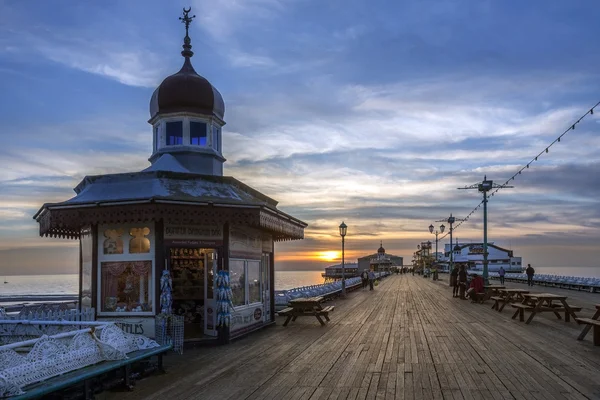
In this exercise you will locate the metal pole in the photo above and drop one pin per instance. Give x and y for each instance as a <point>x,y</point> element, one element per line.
<point>436,252</point>
<point>343,269</point>
<point>451,250</point>
<point>485,246</point>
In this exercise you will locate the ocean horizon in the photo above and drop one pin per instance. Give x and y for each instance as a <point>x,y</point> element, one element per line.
<point>68,284</point>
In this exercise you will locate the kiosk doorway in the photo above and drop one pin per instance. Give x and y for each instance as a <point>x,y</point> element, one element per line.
<point>193,271</point>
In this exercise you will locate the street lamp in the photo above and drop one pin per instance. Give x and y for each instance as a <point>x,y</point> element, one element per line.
<point>431,227</point>
<point>343,229</point>
<point>484,187</point>
<point>451,220</point>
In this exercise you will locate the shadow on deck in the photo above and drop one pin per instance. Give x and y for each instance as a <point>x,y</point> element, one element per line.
<point>407,339</point>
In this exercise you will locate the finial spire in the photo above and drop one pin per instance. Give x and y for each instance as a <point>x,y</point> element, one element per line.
<point>187,46</point>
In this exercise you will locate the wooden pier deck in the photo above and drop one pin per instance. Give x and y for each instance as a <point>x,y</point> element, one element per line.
<point>407,339</point>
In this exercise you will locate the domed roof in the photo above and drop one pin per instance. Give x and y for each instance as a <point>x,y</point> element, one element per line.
<point>186,90</point>
<point>381,249</point>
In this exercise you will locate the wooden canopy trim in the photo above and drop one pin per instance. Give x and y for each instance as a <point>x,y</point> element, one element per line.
<point>66,222</point>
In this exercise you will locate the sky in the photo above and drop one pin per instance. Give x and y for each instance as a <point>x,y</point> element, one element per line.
<point>368,112</point>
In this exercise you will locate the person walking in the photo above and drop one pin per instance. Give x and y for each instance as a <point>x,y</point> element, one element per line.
<point>454,281</point>
<point>501,273</point>
<point>371,279</point>
<point>530,272</point>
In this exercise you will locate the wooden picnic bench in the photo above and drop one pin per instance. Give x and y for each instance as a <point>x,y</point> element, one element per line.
<point>544,302</point>
<point>589,323</point>
<point>85,375</point>
<point>506,296</point>
<point>492,290</point>
<point>306,306</point>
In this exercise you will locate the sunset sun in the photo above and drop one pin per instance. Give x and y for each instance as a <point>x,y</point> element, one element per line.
<point>329,255</point>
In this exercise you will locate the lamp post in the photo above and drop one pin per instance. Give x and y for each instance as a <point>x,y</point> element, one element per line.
<point>451,220</point>
<point>343,229</point>
<point>484,187</point>
<point>436,233</point>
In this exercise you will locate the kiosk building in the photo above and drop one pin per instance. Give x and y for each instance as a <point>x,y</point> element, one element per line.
<point>181,214</point>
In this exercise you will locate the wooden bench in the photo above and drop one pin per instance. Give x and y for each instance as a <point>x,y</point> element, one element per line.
<point>325,311</point>
<point>478,297</point>
<point>520,310</point>
<point>497,300</point>
<point>86,374</point>
<point>285,311</point>
<point>304,307</point>
<point>590,323</point>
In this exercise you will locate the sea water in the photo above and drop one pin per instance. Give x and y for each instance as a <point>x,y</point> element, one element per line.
<point>68,284</point>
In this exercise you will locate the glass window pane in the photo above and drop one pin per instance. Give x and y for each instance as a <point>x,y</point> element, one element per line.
<point>174,133</point>
<point>139,243</point>
<point>254,292</point>
<point>126,286</point>
<point>237,280</point>
<point>198,133</point>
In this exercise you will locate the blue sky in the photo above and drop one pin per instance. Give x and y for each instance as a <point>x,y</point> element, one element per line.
<point>368,112</point>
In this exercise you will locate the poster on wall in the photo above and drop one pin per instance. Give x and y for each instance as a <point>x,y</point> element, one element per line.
<point>247,318</point>
<point>245,243</point>
<point>137,326</point>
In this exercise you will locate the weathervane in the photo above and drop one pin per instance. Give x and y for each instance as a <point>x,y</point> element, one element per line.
<point>186,19</point>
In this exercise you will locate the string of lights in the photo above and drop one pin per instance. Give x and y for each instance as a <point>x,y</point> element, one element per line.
<point>534,159</point>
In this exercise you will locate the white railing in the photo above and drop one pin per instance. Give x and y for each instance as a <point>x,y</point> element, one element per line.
<point>87,314</point>
<point>30,324</point>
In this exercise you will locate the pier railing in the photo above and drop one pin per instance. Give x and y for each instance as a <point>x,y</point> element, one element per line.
<point>328,290</point>
<point>29,324</point>
<point>45,314</point>
<point>566,282</point>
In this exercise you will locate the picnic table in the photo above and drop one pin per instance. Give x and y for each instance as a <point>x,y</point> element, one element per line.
<point>492,290</point>
<point>506,296</point>
<point>544,302</point>
<point>589,322</point>
<point>306,306</point>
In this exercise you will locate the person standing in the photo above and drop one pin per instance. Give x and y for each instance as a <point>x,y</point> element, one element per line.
<point>371,279</point>
<point>462,281</point>
<point>454,281</point>
<point>365,278</point>
<point>530,272</point>
<point>501,273</point>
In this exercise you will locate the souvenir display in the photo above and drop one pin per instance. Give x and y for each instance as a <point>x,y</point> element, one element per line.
<point>224,296</point>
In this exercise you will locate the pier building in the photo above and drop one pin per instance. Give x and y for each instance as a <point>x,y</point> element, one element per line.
<point>380,261</point>
<point>181,214</point>
<point>471,254</point>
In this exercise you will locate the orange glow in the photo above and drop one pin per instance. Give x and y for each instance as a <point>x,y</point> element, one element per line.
<point>329,255</point>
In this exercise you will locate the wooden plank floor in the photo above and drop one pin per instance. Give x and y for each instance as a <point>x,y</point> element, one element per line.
<point>407,339</point>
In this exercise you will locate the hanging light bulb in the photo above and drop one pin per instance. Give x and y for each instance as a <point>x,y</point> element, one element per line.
<point>519,172</point>
<point>559,139</point>
<point>592,111</point>
<point>536,159</point>
<point>573,127</point>
<point>527,165</point>
<point>546,149</point>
